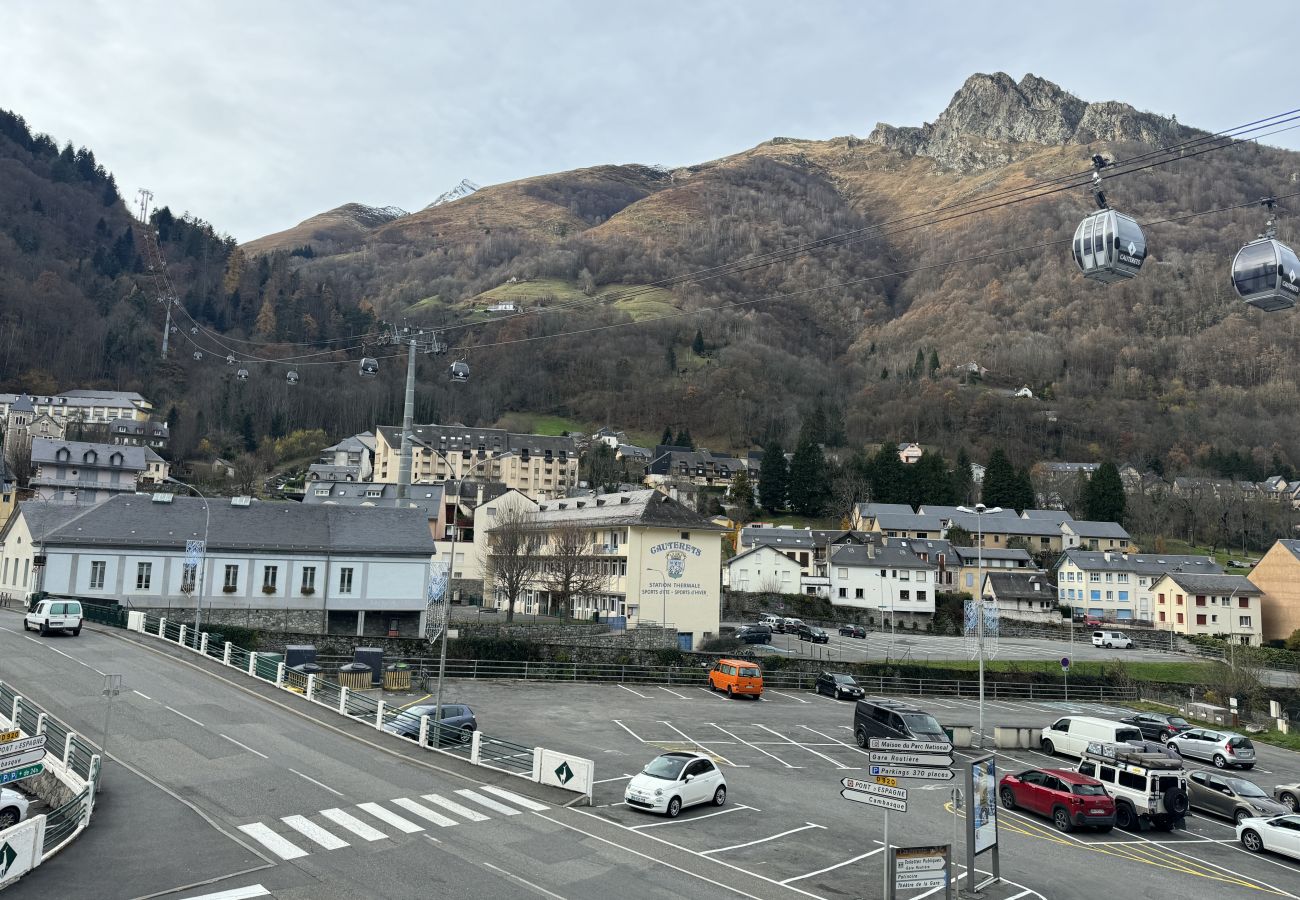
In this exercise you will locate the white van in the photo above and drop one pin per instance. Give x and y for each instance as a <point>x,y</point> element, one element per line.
<point>1117,639</point>
<point>54,615</point>
<point>1072,734</point>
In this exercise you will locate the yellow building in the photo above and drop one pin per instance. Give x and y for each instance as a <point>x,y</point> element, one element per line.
<point>1218,605</point>
<point>1278,576</point>
<point>538,465</point>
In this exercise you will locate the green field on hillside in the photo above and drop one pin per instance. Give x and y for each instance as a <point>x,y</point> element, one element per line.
<point>1220,556</point>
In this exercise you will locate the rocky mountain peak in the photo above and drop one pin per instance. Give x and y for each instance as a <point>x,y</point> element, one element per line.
<point>991,114</point>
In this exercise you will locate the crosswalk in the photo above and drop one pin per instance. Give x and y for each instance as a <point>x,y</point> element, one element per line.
<point>336,828</point>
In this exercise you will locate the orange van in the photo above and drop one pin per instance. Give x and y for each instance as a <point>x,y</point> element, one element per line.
<point>735,676</point>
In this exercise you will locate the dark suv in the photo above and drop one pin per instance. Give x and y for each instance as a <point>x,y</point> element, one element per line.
<point>892,719</point>
<point>754,634</point>
<point>816,635</point>
<point>855,631</point>
<point>1158,726</point>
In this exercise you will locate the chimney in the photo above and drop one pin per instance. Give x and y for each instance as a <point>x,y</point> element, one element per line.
<point>1106,556</point>
<point>871,549</point>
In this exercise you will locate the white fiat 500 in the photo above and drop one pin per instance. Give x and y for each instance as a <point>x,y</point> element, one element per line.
<point>674,781</point>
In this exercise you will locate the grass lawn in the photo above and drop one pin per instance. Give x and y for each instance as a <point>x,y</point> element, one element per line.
<point>1164,672</point>
<point>536,423</point>
<point>1220,556</point>
<point>1272,736</point>
<point>647,302</point>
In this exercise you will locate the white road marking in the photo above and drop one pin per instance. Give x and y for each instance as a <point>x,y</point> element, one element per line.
<point>1026,892</point>
<point>630,691</point>
<point>455,807</point>
<point>743,741</point>
<point>310,829</point>
<point>245,746</point>
<point>536,887</point>
<point>607,780</point>
<point>353,824</point>
<point>424,812</point>
<point>272,841</point>
<point>698,744</point>
<point>317,783</point>
<point>939,702</point>
<point>847,862</point>
<point>516,799</point>
<point>853,747</point>
<point>722,812</point>
<point>487,802</point>
<point>391,818</point>
<point>783,694</point>
<point>674,693</point>
<point>712,693</point>
<point>833,762</point>
<point>804,827</point>
<point>183,716</point>
<point>147,697</point>
<point>628,730</point>
<point>940,888</point>
<point>243,893</point>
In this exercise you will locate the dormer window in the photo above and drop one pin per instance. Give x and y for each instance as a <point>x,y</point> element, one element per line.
<point>89,457</point>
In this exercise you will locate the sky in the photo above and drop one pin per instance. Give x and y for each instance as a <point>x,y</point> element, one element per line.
<point>255,116</point>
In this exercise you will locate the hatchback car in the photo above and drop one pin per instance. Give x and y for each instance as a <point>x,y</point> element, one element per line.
<point>13,808</point>
<point>54,615</point>
<point>1288,795</point>
<point>1069,799</point>
<point>1223,748</point>
<point>816,635</point>
<point>458,723</point>
<point>674,781</point>
<point>838,685</point>
<point>853,631</point>
<point>790,625</point>
<point>1233,798</point>
<point>1158,726</point>
<point>1280,835</point>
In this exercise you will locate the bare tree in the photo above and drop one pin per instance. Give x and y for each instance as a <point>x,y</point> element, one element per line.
<point>571,571</point>
<point>513,561</point>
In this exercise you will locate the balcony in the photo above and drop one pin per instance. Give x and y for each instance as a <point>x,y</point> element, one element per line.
<point>609,550</point>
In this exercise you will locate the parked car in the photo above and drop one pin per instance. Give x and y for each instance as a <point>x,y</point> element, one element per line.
<point>1150,790</point>
<point>1280,835</point>
<point>1235,798</point>
<point>1223,748</point>
<point>754,634</point>
<point>1069,799</point>
<point>737,677</point>
<point>458,723</point>
<point>894,719</point>
<point>1288,795</point>
<point>816,635</point>
<point>838,685</point>
<point>1112,639</point>
<point>13,808</point>
<point>1088,621</point>
<point>790,625</point>
<point>854,631</point>
<point>1072,735</point>
<point>54,615</point>
<point>674,781</point>
<point>1158,726</point>
<point>771,620</point>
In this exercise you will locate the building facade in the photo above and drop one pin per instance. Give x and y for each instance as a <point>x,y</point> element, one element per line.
<point>763,569</point>
<point>1277,575</point>
<point>891,581</point>
<point>1119,587</point>
<point>82,405</point>
<point>1024,596</point>
<point>83,473</point>
<point>1225,606</point>
<point>538,465</point>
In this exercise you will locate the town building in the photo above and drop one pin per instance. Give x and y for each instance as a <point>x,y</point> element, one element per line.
<point>125,430</point>
<point>970,561</point>
<point>8,493</point>
<point>1096,536</point>
<point>23,423</point>
<point>763,569</point>
<point>1023,596</point>
<point>1225,606</point>
<point>699,467</point>
<point>86,406</point>
<point>809,547</point>
<point>426,497</point>
<point>279,565</point>
<point>890,580</point>
<point>1119,587</point>
<point>85,474</point>
<point>537,465</point>
<point>351,459</point>
<point>1277,575</point>
<point>910,452</point>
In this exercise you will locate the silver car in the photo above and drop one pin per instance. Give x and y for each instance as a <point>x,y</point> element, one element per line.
<point>1288,795</point>
<point>1234,798</point>
<point>1226,749</point>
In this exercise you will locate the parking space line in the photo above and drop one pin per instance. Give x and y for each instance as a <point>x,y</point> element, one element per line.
<point>703,749</point>
<point>755,746</point>
<point>833,762</point>
<point>629,731</point>
<point>940,702</point>
<point>783,694</point>
<point>804,827</point>
<point>714,694</point>
<point>852,747</point>
<point>623,777</point>
<point>838,865</point>
<point>638,693</point>
<point>674,693</point>
<point>722,812</point>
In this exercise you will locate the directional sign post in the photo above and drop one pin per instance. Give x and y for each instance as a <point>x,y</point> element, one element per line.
<point>871,787</point>
<point>19,760</point>
<point>20,774</point>
<point>910,746</point>
<point>11,735</point>
<point>1065,671</point>
<point>919,869</point>
<point>874,800</point>
<point>912,772</point>
<point>911,759</point>
<point>23,745</point>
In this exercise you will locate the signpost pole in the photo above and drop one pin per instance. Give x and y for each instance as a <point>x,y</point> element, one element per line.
<point>889,881</point>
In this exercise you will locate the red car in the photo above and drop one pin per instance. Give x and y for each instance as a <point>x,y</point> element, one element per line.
<point>1069,799</point>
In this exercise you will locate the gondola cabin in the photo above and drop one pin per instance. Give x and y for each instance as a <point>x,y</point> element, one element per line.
<point>242,374</point>
<point>369,368</point>
<point>1266,274</point>
<point>1109,246</point>
<point>459,371</point>
<point>291,378</point>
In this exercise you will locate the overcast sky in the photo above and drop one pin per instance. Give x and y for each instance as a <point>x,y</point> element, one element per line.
<point>255,116</point>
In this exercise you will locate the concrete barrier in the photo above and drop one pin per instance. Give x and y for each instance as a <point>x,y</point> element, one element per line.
<point>961,735</point>
<point>1012,737</point>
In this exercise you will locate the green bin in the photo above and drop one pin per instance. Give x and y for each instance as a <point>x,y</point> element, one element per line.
<point>397,677</point>
<point>268,664</point>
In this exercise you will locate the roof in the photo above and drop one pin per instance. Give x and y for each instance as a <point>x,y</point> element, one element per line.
<point>648,508</point>
<point>882,557</point>
<point>96,394</point>
<point>137,520</point>
<point>496,440</point>
<point>43,517</point>
<point>328,472</point>
<point>135,426</point>
<point>633,450</point>
<point>1087,529</point>
<point>1071,467</point>
<point>954,512</point>
<point>1196,583</point>
<point>22,404</point>
<point>150,456</point>
<point>800,537</point>
<point>356,443</point>
<point>1139,563</point>
<point>1293,546</point>
<point>969,555</point>
<point>45,450</point>
<point>664,463</point>
<point>1056,515</point>
<point>875,509</point>
<point>1012,525</point>
<point>753,550</point>
<point>930,547</point>
<point>427,497</point>
<point>908,522</point>
<point>1019,585</point>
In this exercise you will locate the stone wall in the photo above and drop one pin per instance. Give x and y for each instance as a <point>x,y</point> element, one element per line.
<point>294,621</point>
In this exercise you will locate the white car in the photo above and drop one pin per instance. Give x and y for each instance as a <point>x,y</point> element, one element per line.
<point>674,781</point>
<point>1112,639</point>
<point>1280,834</point>
<point>13,808</point>
<point>54,615</point>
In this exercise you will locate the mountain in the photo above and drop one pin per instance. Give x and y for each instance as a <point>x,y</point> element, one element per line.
<point>333,231</point>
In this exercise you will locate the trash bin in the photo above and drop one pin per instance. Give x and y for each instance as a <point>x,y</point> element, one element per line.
<point>354,675</point>
<point>296,676</point>
<point>373,659</point>
<point>268,664</point>
<point>297,654</point>
<point>397,677</point>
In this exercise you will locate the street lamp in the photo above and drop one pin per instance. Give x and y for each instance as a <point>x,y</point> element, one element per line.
<point>663,579</point>
<point>979,512</point>
<point>203,554</point>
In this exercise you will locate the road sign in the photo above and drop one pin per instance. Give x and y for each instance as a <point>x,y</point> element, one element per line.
<point>909,746</point>
<point>885,779</point>
<point>873,787</point>
<point>873,800</point>
<point>20,774</point>
<point>1065,663</point>
<point>18,760</point>
<point>7,736</point>
<point>22,746</point>
<point>909,772</point>
<point>564,773</point>
<point>919,859</point>
<point>905,883</point>
<point>912,759</point>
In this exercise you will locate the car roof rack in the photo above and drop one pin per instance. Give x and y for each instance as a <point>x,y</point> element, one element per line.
<point>1114,754</point>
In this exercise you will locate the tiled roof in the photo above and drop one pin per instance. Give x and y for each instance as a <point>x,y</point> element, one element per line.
<point>45,450</point>
<point>1020,585</point>
<point>1087,529</point>
<point>1140,563</point>
<point>648,507</point>
<point>1195,583</point>
<point>882,557</point>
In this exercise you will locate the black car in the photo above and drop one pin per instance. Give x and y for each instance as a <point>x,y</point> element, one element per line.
<point>856,631</point>
<point>836,685</point>
<point>816,635</point>
<point>754,634</point>
<point>1158,726</point>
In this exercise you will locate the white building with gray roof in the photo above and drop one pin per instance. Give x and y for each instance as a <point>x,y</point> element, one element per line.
<point>890,580</point>
<point>84,473</point>
<point>1118,587</point>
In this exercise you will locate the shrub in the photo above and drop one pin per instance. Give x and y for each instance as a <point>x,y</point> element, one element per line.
<point>720,645</point>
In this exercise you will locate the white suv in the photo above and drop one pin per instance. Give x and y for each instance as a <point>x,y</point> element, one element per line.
<point>54,615</point>
<point>1150,789</point>
<point>1112,639</point>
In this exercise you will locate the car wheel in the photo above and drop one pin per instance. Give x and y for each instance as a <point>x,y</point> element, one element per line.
<point>731,695</point>
<point>1220,762</point>
<point>1290,801</point>
<point>1008,798</point>
<point>1240,816</point>
<point>1108,646</point>
<point>1061,819</point>
<point>26,627</point>
<point>466,734</point>
<point>720,795</point>
<point>1048,747</point>
<point>1124,816</point>
<point>8,817</point>
<point>45,629</point>
<point>1251,840</point>
<point>76,631</point>
<point>1163,737</point>
<point>860,737</point>
<point>674,807</point>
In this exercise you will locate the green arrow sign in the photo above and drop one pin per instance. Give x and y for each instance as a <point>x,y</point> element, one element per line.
<point>564,773</point>
<point>7,856</point>
<point>20,774</point>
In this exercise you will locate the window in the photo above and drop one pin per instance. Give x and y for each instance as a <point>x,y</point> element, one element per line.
<point>1108,578</point>
<point>1180,599</point>
<point>1161,600</point>
<point>686,535</point>
<point>1094,576</point>
<point>345,581</point>
<point>5,578</point>
<point>1200,619</point>
<point>1200,599</point>
<point>920,596</point>
<point>1110,595</point>
<point>844,592</point>
<point>1243,602</point>
<point>970,580</point>
<point>1122,577</point>
<point>857,593</point>
<point>143,575</point>
<point>1162,615</point>
<point>1243,621</point>
<point>270,575</point>
<point>904,595</point>
<point>97,568</point>
<point>1133,781</point>
<point>905,576</point>
<point>1180,618</point>
<point>231,581</point>
<point>844,573</point>
<point>920,576</point>
<point>309,578</point>
<point>1096,595</point>
<point>1123,596</point>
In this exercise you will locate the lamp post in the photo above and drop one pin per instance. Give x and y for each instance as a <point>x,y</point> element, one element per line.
<point>979,512</point>
<point>203,556</point>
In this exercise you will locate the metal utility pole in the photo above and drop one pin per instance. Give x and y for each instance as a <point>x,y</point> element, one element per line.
<point>145,196</point>
<point>112,687</point>
<point>980,512</point>
<point>408,422</point>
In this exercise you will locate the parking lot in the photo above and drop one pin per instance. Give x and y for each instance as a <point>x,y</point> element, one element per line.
<point>783,758</point>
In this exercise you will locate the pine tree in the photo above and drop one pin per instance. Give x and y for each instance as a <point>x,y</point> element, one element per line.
<point>1025,496</point>
<point>670,360</point>
<point>919,365</point>
<point>934,363</point>
<point>814,427</point>
<point>741,494</point>
<point>1104,497</point>
<point>809,489</point>
<point>697,345</point>
<point>836,433</point>
<point>667,438</point>
<point>963,482</point>
<point>246,432</point>
<point>1000,481</point>
<point>929,481</point>
<point>773,478</point>
<point>888,476</point>
<point>683,439</point>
